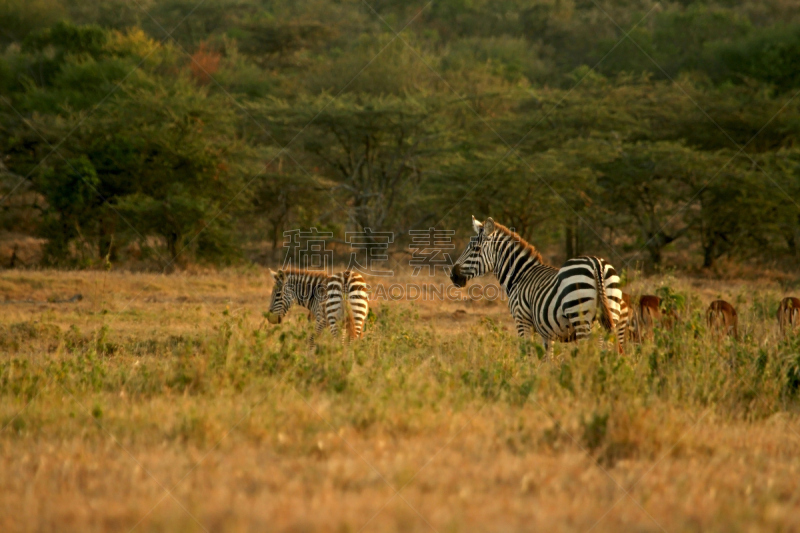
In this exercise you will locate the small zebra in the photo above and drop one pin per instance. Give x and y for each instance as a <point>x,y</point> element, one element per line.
<point>559,304</point>
<point>323,295</point>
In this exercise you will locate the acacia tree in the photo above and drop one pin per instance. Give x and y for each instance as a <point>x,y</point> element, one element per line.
<point>375,150</point>
<point>284,195</point>
<point>740,214</point>
<point>642,183</point>
<point>72,201</point>
<point>185,167</point>
<point>162,159</point>
<point>784,168</point>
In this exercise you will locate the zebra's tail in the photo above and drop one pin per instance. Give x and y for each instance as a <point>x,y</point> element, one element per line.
<point>606,318</point>
<point>349,320</point>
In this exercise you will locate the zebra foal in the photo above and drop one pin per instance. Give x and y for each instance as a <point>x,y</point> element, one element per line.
<point>559,304</point>
<point>332,300</point>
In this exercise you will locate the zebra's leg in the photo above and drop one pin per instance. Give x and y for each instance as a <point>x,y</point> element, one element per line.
<point>621,333</point>
<point>359,328</point>
<point>319,327</point>
<point>333,325</point>
<point>333,316</point>
<point>523,329</point>
<point>548,348</point>
<point>623,325</point>
<point>359,307</point>
<point>334,304</point>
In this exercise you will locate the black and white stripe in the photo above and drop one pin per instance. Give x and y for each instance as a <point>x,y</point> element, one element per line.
<point>348,302</point>
<point>558,304</point>
<point>331,300</point>
<point>627,325</point>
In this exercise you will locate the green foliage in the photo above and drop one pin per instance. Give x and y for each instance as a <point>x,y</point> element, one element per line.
<point>672,302</point>
<point>768,55</point>
<point>71,191</point>
<point>254,118</point>
<point>67,38</point>
<point>376,150</point>
<point>20,18</point>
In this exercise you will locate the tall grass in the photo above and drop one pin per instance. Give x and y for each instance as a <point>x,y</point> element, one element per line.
<point>408,363</point>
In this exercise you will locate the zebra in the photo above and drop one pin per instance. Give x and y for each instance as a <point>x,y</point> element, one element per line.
<point>323,296</point>
<point>559,304</point>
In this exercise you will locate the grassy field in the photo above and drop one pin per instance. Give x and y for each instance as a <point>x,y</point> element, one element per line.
<point>165,403</point>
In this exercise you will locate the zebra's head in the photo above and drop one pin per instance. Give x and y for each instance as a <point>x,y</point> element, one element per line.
<point>281,299</point>
<point>473,262</point>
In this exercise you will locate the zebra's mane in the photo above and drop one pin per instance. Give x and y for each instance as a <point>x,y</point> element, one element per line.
<point>299,272</point>
<point>525,245</point>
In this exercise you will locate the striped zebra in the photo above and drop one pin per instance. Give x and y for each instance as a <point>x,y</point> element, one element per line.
<point>331,300</point>
<point>559,304</point>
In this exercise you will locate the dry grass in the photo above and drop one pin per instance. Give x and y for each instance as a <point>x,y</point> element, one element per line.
<point>165,403</point>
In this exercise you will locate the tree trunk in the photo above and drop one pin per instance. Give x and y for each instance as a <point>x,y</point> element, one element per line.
<point>709,247</point>
<point>654,245</point>
<point>276,233</point>
<point>172,247</point>
<point>791,242</point>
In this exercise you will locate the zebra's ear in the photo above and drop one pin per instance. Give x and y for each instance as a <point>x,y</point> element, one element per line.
<point>476,225</point>
<point>273,274</point>
<point>488,226</point>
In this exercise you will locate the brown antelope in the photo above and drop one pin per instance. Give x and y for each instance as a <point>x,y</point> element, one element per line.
<point>722,318</point>
<point>649,312</point>
<point>650,315</point>
<point>789,314</point>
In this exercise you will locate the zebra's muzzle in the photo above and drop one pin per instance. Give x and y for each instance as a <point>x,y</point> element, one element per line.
<point>458,279</point>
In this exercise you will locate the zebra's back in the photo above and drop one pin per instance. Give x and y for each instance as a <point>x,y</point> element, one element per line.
<point>348,302</point>
<point>564,302</point>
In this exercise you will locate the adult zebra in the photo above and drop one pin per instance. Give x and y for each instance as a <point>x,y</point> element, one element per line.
<point>560,304</point>
<point>331,300</point>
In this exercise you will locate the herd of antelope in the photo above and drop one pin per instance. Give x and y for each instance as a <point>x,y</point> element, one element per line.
<point>721,317</point>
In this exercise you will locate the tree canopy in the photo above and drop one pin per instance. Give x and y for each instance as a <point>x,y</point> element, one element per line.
<point>170,131</point>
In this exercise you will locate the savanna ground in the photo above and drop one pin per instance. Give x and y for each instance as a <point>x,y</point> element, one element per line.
<point>165,403</point>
